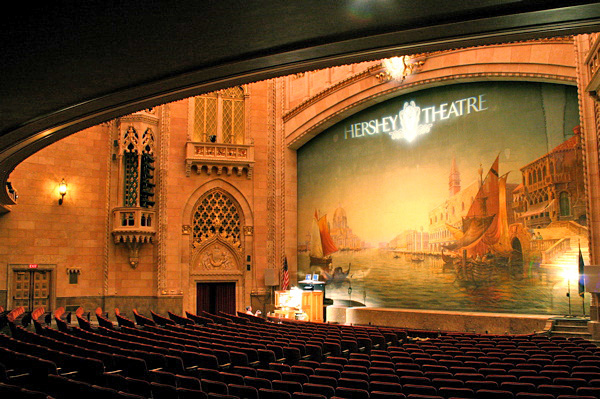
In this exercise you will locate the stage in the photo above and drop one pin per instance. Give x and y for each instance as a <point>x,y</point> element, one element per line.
<point>441,320</point>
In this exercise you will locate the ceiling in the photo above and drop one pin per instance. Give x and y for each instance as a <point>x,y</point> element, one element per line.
<point>68,65</point>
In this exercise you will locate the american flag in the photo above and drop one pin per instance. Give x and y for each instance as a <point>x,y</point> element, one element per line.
<point>285,276</point>
<point>581,267</point>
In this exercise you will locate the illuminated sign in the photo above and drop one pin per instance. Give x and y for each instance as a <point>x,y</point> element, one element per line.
<point>412,121</point>
<point>33,266</point>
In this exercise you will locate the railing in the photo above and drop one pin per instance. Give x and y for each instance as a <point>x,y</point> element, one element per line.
<point>563,245</point>
<point>219,157</point>
<point>542,245</point>
<point>12,193</point>
<point>134,223</point>
<point>593,57</point>
<point>573,227</point>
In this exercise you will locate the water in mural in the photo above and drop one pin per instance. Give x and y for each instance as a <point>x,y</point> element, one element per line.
<point>381,278</point>
<point>466,198</point>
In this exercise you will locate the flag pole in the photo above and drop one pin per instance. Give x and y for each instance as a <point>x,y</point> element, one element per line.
<point>569,294</point>
<point>581,280</point>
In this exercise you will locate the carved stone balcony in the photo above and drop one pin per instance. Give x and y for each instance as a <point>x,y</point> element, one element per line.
<point>219,158</point>
<point>133,227</point>
<point>592,62</point>
<point>8,198</point>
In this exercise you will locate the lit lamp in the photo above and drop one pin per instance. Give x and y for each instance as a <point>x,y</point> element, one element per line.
<point>398,68</point>
<point>62,190</point>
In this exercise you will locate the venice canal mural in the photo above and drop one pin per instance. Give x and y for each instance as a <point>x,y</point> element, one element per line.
<point>465,197</point>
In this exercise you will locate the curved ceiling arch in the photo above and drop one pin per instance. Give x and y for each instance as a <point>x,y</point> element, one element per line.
<point>366,88</point>
<point>66,69</point>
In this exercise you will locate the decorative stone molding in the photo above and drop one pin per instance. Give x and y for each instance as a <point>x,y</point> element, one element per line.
<point>311,130</point>
<point>218,158</point>
<point>272,227</point>
<point>163,167</point>
<point>248,230</point>
<point>111,168</point>
<point>73,270</point>
<point>328,91</point>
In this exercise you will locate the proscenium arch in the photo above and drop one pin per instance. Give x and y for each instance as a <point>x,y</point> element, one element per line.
<point>439,69</point>
<point>297,52</point>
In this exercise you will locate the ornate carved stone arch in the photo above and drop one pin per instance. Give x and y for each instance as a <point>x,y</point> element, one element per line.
<point>218,255</point>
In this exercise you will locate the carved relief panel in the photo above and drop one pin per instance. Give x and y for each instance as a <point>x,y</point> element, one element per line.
<point>215,256</point>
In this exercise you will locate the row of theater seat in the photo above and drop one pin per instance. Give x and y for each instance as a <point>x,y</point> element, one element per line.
<point>299,375</point>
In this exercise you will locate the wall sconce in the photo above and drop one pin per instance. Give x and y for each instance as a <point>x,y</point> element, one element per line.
<point>62,190</point>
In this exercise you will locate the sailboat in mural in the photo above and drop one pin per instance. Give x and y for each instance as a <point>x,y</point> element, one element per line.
<point>321,243</point>
<point>484,236</point>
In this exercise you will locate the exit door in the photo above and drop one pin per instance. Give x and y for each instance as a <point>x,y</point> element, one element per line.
<point>31,288</point>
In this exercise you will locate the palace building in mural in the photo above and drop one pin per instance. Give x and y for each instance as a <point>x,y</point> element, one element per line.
<point>465,186</point>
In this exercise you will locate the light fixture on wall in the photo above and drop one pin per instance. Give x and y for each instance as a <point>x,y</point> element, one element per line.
<point>398,68</point>
<point>62,190</point>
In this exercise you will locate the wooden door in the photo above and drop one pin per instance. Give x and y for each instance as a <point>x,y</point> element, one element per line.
<point>31,288</point>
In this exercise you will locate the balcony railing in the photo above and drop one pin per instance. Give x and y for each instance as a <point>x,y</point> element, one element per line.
<point>8,198</point>
<point>219,158</point>
<point>133,225</point>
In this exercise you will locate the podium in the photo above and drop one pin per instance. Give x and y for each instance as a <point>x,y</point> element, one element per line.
<point>312,305</point>
<point>289,304</point>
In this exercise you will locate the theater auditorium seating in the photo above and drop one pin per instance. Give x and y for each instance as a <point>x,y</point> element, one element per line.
<point>242,356</point>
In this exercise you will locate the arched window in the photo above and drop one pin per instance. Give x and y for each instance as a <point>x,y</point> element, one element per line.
<point>217,213</point>
<point>205,117</point>
<point>219,117</point>
<point>565,204</point>
<point>138,166</point>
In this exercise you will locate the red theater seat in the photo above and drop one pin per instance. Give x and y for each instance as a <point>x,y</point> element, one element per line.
<point>493,394</point>
<point>387,395</point>
<point>304,395</point>
<point>325,390</point>
<point>264,393</point>
<point>243,391</point>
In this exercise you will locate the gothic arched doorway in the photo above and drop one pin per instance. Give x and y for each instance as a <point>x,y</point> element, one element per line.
<point>216,264</point>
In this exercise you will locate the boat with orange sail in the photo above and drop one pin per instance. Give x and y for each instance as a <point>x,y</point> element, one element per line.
<point>483,240</point>
<point>321,243</point>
